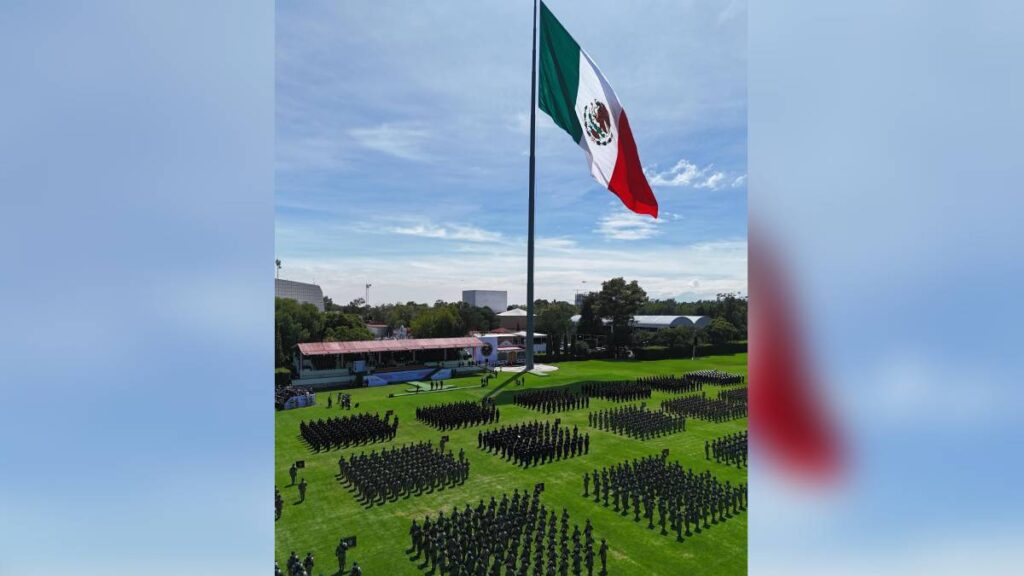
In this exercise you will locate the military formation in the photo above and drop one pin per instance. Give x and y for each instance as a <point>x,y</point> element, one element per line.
<point>458,414</point>
<point>716,377</point>
<point>517,536</point>
<point>637,422</point>
<point>618,391</point>
<point>534,443</point>
<point>704,408</point>
<point>345,431</point>
<point>735,395</point>
<point>401,471</point>
<point>729,449</point>
<point>665,495</point>
<point>550,400</point>
<point>677,384</point>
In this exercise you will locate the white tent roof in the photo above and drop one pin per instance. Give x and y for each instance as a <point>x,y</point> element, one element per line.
<point>513,312</point>
<point>658,322</point>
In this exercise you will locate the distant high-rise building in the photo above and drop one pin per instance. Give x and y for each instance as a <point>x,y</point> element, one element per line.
<point>300,291</point>
<point>581,296</point>
<point>496,300</point>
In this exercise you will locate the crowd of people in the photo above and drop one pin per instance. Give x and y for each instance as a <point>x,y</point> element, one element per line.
<point>283,395</point>
<point>704,408</point>
<point>459,414</point>
<point>677,384</point>
<point>550,400</point>
<point>666,495</point>
<point>534,443</point>
<point>637,422</point>
<point>408,470</point>
<point>508,537</point>
<point>716,377</point>
<point>345,431</point>
<point>618,391</point>
<point>730,449</point>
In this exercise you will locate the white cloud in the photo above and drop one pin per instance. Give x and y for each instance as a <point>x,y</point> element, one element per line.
<point>739,181</point>
<point>404,142</point>
<point>453,232</point>
<point>688,174</point>
<point>627,226</point>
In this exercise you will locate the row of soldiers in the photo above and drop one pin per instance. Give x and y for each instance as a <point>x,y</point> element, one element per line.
<point>735,395</point>
<point>533,443</point>
<point>507,538</point>
<point>672,383</point>
<point>344,431</point>
<point>680,498</point>
<point>637,421</point>
<point>459,414</point>
<point>730,449</point>
<point>550,400</point>
<point>716,377</point>
<point>618,391</point>
<point>408,470</point>
<point>705,409</point>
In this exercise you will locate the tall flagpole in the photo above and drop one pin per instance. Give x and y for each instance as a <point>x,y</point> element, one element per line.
<point>529,241</point>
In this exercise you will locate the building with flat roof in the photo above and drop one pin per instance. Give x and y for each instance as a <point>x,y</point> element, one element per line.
<point>302,292</point>
<point>496,300</point>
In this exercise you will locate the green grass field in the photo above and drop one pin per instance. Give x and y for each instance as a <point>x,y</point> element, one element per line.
<point>330,511</point>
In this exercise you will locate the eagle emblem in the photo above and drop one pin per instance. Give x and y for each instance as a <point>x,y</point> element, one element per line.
<point>597,123</point>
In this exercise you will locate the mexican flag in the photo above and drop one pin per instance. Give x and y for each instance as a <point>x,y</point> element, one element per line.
<point>578,98</point>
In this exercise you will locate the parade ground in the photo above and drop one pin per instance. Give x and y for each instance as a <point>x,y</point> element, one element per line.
<point>331,511</point>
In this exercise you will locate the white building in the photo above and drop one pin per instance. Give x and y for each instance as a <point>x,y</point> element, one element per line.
<point>300,291</point>
<point>507,347</point>
<point>496,300</point>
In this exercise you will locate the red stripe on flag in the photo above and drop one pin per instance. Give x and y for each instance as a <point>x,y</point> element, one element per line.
<point>628,181</point>
<point>787,416</point>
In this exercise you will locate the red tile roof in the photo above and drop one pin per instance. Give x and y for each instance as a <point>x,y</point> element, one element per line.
<point>363,346</point>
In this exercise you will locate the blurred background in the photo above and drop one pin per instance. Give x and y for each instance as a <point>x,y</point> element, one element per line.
<point>136,182</point>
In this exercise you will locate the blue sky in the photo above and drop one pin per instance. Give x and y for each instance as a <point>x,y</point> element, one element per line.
<point>403,138</point>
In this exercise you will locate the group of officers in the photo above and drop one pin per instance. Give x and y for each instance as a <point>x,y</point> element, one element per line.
<point>459,414</point>
<point>344,401</point>
<point>550,400</point>
<point>705,409</point>
<point>618,391</point>
<point>345,431</point>
<point>637,422</point>
<point>405,470</point>
<point>507,538</point>
<point>533,443</point>
<point>680,499</point>
<point>730,449</point>
<point>305,566</point>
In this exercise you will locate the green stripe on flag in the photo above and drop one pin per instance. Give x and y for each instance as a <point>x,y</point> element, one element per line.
<point>559,74</point>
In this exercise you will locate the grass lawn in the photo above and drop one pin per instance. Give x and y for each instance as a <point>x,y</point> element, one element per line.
<point>330,511</point>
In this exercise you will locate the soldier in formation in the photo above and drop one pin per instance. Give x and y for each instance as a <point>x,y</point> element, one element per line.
<point>345,431</point>
<point>730,449</point>
<point>458,414</point>
<point>637,421</point>
<point>533,443</point>
<point>516,536</point>
<point>408,470</point>
<point>676,384</point>
<point>618,391</point>
<point>705,409</point>
<point>550,400</point>
<point>683,500</point>
<point>716,377</point>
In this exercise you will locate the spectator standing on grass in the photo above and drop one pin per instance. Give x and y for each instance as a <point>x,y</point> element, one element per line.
<point>293,472</point>
<point>302,490</point>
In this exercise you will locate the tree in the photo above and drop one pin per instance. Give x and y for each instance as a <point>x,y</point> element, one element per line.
<point>618,302</point>
<point>476,318</point>
<point>555,320</point>
<point>296,323</point>
<point>589,323</point>
<point>342,327</point>
<point>437,322</point>
<point>721,331</point>
<point>277,265</point>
